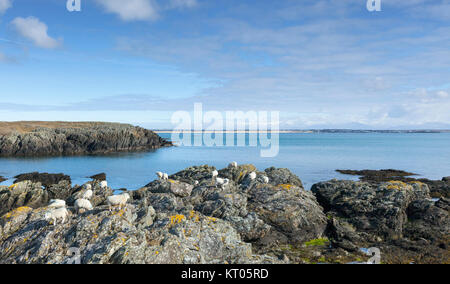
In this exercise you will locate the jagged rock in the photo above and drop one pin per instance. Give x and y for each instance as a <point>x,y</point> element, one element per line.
<point>77,139</point>
<point>34,195</point>
<point>45,179</point>
<point>2,179</point>
<point>100,236</point>
<point>428,220</point>
<point>181,221</point>
<point>180,189</point>
<point>289,210</point>
<point>99,177</point>
<point>438,188</point>
<point>380,210</point>
<point>282,176</point>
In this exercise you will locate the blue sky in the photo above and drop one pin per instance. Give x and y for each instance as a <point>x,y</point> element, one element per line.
<point>321,63</point>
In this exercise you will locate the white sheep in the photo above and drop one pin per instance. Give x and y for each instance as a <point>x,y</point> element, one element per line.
<point>57,203</point>
<point>233,165</point>
<point>160,175</point>
<point>196,182</point>
<point>166,176</point>
<point>266,179</point>
<point>215,174</point>
<point>55,214</point>
<point>252,176</point>
<point>88,194</point>
<point>117,200</point>
<point>83,204</point>
<point>222,182</point>
<point>104,184</point>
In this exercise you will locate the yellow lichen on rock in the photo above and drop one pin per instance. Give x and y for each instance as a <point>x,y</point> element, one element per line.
<point>177,219</point>
<point>286,186</point>
<point>18,211</point>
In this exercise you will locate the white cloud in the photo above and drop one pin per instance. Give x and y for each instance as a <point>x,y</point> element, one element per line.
<point>143,10</point>
<point>131,10</point>
<point>36,31</point>
<point>183,3</point>
<point>5,5</point>
<point>442,94</point>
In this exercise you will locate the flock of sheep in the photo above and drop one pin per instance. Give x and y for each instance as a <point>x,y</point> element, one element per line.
<point>57,208</point>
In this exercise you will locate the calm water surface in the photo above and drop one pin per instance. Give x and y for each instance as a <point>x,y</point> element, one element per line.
<point>313,157</point>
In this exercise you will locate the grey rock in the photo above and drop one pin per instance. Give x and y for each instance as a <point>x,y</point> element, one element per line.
<point>97,138</point>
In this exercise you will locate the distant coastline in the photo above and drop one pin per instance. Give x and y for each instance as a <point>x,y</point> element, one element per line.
<point>310,131</point>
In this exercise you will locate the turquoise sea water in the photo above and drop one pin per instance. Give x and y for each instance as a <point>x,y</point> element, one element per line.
<point>313,157</point>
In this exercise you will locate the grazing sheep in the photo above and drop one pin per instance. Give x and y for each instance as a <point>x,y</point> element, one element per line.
<point>233,165</point>
<point>119,200</point>
<point>252,176</point>
<point>266,179</point>
<point>166,176</point>
<point>55,214</point>
<point>160,175</point>
<point>83,204</point>
<point>88,194</point>
<point>57,203</point>
<point>104,184</point>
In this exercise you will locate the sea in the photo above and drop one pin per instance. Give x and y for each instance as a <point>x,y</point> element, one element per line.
<point>314,157</point>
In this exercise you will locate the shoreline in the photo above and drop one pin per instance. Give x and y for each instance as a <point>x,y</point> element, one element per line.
<point>257,217</point>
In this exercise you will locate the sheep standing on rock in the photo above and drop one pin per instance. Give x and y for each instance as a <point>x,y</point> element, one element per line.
<point>252,176</point>
<point>160,175</point>
<point>222,182</point>
<point>117,200</point>
<point>57,203</point>
<point>266,179</point>
<point>88,194</point>
<point>55,214</point>
<point>233,165</point>
<point>83,204</point>
<point>166,176</point>
<point>104,184</point>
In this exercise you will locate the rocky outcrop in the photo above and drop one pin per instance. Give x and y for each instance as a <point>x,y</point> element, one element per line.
<point>438,188</point>
<point>45,179</point>
<point>398,217</point>
<point>188,219</point>
<point>2,179</point>
<point>93,138</point>
<point>32,194</point>
<point>173,221</point>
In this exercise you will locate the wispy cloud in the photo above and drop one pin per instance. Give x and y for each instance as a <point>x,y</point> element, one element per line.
<point>143,10</point>
<point>5,5</point>
<point>36,31</point>
<point>131,10</point>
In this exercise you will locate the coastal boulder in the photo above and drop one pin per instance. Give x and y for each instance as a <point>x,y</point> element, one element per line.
<point>293,213</point>
<point>379,210</point>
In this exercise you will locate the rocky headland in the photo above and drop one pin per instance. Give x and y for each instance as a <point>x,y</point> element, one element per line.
<point>254,217</point>
<point>30,139</point>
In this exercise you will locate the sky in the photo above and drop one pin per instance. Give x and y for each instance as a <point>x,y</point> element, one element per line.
<point>320,63</point>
